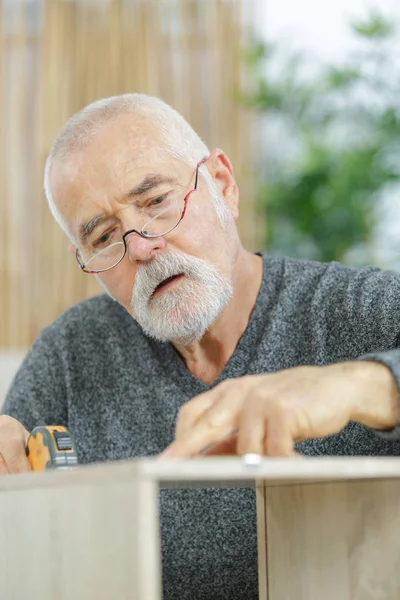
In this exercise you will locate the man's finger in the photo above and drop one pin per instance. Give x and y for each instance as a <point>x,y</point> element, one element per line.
<point>251,433</point>
<point>212,426</point>
<point>226,447</point>
<point>198,438</point>
<point>14,451</point>
<point>192,410</point>
<point>278,439</point>
<point>3,466</point>
<point>210,408</point>
<point>16,459</point>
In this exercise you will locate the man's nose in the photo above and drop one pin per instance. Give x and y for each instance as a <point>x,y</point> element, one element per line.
<point>140,248</point>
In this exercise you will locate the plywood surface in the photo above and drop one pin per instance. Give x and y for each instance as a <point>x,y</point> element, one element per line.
<point>334,541</point>
<point>80,542</point>
<point>262,546</point>
<point>332,536</point>
<point>216,472</point>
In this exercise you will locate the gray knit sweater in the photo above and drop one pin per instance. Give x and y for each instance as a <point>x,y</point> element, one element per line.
<point>119,392</point>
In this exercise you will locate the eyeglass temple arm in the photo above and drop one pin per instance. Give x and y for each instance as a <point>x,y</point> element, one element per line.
<point>82,265</point>
<point>197,171</point>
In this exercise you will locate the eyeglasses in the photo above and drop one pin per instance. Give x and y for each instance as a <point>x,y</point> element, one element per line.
<point>159,217</point>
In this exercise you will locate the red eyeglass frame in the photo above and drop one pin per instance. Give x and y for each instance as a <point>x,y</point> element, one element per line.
<point>141,233</point>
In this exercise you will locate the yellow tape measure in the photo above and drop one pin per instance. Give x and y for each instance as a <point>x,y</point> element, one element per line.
<point>51,447</point>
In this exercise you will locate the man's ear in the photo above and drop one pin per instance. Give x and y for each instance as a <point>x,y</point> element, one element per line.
<point>221,170</point>
<point>72,249</point>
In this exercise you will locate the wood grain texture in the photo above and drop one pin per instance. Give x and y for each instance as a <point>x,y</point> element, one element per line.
<point>262,547</point>
<point>334,541</point>
<point>85,541</point>
<point>217,472</point>
<point>93,532</point>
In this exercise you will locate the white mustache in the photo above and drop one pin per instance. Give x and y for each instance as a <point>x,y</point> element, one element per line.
<point>150,275</point>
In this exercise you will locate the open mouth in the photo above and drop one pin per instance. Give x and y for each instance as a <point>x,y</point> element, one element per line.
<point>164,285</point>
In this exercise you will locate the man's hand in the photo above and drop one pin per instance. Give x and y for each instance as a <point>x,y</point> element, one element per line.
<point>13,438</point>
<point>268,414</point>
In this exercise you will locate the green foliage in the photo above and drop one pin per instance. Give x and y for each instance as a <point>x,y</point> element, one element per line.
<point>344,121</point>
<point>376,26</point>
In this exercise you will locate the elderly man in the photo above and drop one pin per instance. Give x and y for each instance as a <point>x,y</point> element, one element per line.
<point>198,345</point>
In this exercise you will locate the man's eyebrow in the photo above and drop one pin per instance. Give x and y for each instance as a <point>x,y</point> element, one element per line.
<point>149,182</point>
<point>86,229</point>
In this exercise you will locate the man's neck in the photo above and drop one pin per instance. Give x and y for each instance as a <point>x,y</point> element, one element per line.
<point>207,358</point>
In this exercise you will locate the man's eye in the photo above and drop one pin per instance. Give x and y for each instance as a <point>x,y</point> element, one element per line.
<point>158,201</point>
<point>101,241</point>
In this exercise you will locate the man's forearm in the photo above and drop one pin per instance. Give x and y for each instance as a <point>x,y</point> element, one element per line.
<point>380,407</point>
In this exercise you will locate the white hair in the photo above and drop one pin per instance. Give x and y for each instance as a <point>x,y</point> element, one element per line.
<point>179,139</point>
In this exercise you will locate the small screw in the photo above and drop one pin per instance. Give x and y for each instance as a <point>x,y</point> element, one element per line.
<point>252,460</point>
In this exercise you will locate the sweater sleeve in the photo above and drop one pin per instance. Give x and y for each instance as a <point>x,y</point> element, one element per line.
<point>356,315</point>
<point>390,359</point>
<point>381,299</point>
<point>37,395</point>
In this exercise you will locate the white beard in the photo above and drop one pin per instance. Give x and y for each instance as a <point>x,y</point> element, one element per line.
<point>183,313</point>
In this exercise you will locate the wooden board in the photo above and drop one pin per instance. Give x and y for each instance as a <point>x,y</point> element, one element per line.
<point>333,541</point>
<point>216,472</point>
<point>327,527</point>
<point>94,542</point>
<point>262,545</point>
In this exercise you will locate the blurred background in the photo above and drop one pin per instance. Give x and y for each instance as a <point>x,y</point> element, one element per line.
<point>303,97</point>
<point>326,79</point>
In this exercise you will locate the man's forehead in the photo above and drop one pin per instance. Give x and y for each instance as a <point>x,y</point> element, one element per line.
<point>82,177</point>
<point>84,188</point>
<point>121,155</point>
<point>115,158</point>
<point>120,146</point>
<point>101,165</point>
